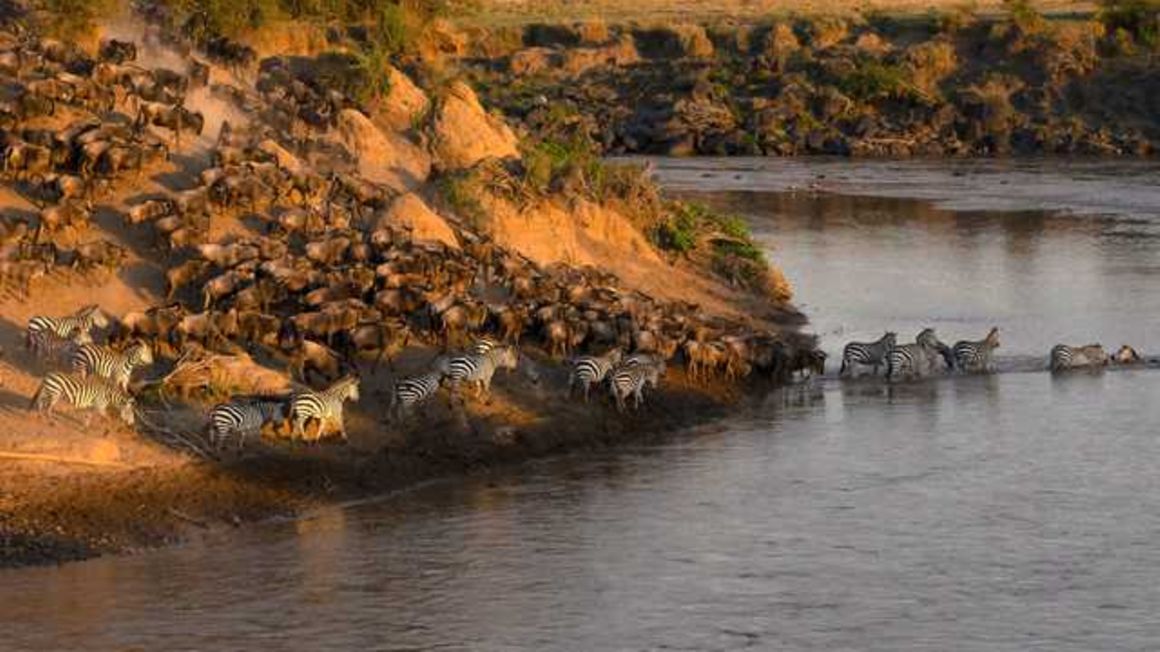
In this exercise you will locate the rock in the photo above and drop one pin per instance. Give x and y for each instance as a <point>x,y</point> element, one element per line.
<point>412,213</point>
<point>530,61</point>
<point>620,53</point>
<point>442,39</point>
<point>781,41</point>
<point>686,40</point>
<point>284,158</point>
<point>387,158</point>
<point>593,32</point>
<point>463,133</point>
<point>402,103</point>
<point>695,43</point>
<point>872,44</point>
<point>826,31</point>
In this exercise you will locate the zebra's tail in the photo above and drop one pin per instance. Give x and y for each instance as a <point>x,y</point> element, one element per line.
<point>842,371</point>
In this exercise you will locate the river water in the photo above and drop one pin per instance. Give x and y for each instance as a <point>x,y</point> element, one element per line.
<point>1010,512</point>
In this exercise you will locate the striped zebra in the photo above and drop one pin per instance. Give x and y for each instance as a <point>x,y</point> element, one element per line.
<point>82,393</point>
<point>918,359</point>
<point>84,319</point>
<point>631,380</point>
<point>483,345</point>
<point>414,391</point>
<point>240,419</point>
<point>58,351</point>
<point>110,364</point>
<point>325,405</point>
<point>868,354</point>
<point>977,356</point>
<point>478,369</point>
<point>591,370</point>
<point>1064,357</point>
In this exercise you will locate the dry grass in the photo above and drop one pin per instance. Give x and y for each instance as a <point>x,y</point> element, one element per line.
<point>498,12</point>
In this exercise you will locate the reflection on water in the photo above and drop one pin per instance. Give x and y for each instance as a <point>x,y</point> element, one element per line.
<point>1008,512</point>
<point>977,513</point>
<point>1042,278</point>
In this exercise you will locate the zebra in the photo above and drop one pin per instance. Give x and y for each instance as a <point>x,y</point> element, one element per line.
<point>115,366</point>
<point>326,406</point>
<point>84,319</point>
<point>630,380</point>
<point>918,359</point>
<point>1065,357</point>
<point>973,356</point>
<point>242,419</point>
<point>83,393</point>
<point>414,390</point>
<point>478,369</point>
<point>57,350</point>
<point>870,354</point>
<point>591,370</point>
<point>482,345</point>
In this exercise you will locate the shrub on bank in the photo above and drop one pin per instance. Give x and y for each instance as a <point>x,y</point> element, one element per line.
<point>1139,19</point>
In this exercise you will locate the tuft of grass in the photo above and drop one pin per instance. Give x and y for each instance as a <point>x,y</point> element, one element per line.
<point>1024,16</point>
<point>71,19</point>
<point>724,243</point>
<point>461,192</point>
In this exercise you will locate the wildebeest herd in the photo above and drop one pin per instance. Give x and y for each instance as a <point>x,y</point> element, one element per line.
<point>314,276</point>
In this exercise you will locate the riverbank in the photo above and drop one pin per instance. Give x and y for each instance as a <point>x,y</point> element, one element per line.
<point>948,82</point>
<point>263,234</point>
<point>53,513</point>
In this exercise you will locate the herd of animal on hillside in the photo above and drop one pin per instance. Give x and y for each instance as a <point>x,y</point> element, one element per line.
<point>317,280</point>
<point>320,282</point>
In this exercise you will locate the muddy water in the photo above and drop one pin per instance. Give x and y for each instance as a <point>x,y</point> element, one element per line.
<point>1011,512</point>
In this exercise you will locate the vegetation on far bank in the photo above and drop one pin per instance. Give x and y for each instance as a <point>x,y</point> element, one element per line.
<point>947,82</point>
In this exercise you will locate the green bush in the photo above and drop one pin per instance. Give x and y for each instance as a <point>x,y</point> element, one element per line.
<point>1140,18</point>
<point>874,80</point>
<point>679,233</point>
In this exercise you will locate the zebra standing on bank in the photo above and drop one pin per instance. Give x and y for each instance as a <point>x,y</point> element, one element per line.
<point>106,362</point>
<point>918,359</point>
<point>591,370</point>
<point>631,380</point>
<point>240,419</point>
<point>478,369</point>
<point>414,391</point>
<point>83,393</point>
<point>40,326</point>
<point>868,354</point>
<point>325,405</point>
<point>977,356</point>
<point>1065,357</point>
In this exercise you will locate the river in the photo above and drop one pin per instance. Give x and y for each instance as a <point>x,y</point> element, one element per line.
<point>1010,512</point>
